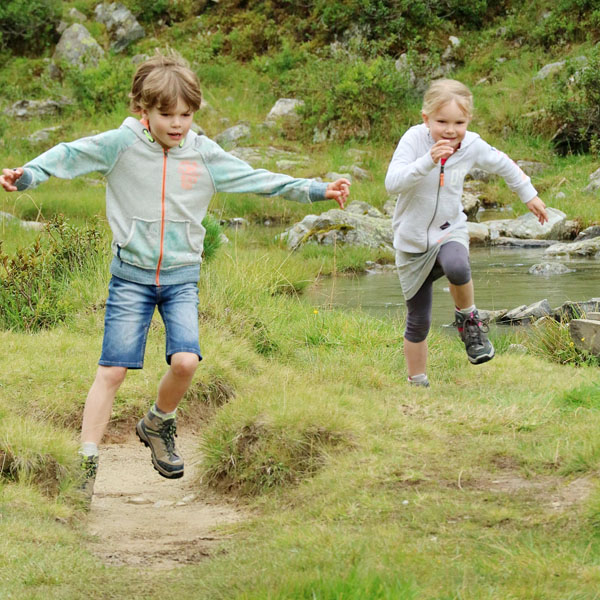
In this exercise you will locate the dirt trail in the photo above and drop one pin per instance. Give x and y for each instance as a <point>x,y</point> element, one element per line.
<point>139,518</point>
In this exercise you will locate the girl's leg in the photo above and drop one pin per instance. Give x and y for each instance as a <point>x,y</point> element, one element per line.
<point>98,405</point>
<point>418,323</point>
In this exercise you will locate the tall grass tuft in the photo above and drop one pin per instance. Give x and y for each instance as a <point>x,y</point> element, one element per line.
<point>33,281</point>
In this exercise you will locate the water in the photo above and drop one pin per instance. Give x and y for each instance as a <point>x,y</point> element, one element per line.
<point>500,277</point>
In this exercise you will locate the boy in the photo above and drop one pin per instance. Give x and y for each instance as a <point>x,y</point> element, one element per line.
<point>160,179</point>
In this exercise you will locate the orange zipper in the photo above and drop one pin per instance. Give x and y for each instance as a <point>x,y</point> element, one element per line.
<point>162,217</point>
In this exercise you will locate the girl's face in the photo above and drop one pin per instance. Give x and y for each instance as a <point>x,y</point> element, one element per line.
<point>448,123</point>
<point>169,127</point>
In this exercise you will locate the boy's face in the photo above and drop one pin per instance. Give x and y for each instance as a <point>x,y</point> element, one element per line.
<point>448,123</point>
<point>169,127</point>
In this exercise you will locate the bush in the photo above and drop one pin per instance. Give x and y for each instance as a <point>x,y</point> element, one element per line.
<point>574,115</point>
<point>33,281</point>
<point>28,26</point>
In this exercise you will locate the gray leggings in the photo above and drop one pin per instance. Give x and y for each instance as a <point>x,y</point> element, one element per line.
<point>453,262</point>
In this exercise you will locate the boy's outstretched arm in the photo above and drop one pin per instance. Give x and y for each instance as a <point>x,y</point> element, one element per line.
<point>538,208</point>
<point>339,191</point>
<point>9,178</point>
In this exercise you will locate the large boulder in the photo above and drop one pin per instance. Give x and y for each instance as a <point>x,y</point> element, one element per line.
<point>78,48</point>
<point>123,28</point>
<point>528,227</point>
<point>585,334</point>
<point>357,226</point>
<point>587,247</point>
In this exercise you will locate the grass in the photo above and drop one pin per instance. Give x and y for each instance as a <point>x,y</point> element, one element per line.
<point>358,487</point>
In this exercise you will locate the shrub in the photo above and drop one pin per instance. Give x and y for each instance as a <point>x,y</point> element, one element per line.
<point>213,238</point>
<point>33,282</point>
<point>28,26</point>
<point>574,115</point>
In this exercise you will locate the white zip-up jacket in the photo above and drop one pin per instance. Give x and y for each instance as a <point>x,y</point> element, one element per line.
<point>426,210</point>
<point>156,199</point>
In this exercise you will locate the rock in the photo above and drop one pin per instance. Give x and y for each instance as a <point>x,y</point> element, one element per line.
<point>521,243</point>
<point>585,333</point>
<point>527,313</point>
<point>389,208</point>
<point>332,176</point>
<point>548,269</point>
<point>594,182</point>
<point>531,167</point>
<point>77,47</point>
<point>479,233</point>
<point>77,16</point>
<point>237,132</point>
<point>352,226</point>
<point>528,227</point>
<point>42,135</point>
<point>29,109</point>
<point>123,28</point>
<point>471,204</point>
<point>235,223</point>
<point>549,69</point>
<point>576,310</point>
<point>357,172</point>
<point>285,110</point>
<point>588,233</point>
<point>588,247</point>
<point>4,216</point>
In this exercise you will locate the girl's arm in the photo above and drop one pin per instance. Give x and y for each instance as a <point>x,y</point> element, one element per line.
<point>407,168</point>
<point>497,162</point>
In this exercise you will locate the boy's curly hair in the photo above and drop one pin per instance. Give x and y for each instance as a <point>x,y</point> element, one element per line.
<point>161,81</point>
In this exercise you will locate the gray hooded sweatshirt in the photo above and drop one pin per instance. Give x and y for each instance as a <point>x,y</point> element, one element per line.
<point>426,211</point>
<point>156,199</point>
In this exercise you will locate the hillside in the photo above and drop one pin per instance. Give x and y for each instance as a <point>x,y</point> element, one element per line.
<point>316,472</point>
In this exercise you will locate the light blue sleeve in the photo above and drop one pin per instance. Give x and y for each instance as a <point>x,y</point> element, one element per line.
<point>71,159</point>
<point>230,174</point>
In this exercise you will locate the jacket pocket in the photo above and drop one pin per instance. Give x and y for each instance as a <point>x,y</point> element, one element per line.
<point>142,248</point>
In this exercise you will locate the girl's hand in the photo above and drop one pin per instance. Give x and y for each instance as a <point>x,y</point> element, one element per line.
<point>538,208</point>
<point>9,177</point>
<point>339,191</point>
<point>441,149</point>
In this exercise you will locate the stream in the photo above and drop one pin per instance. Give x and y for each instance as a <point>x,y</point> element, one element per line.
<point>500,277</point>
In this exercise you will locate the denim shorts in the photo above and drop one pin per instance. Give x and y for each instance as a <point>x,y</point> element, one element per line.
<point>129,310</point>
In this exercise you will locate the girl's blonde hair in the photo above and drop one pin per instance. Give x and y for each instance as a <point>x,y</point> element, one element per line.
<point>160,82</point>
<point>442,91</point>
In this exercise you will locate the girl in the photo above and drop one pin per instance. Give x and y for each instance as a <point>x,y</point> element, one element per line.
<point>431,239</point>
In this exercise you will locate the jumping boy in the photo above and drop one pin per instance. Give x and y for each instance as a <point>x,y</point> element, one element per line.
<point>160,179</point>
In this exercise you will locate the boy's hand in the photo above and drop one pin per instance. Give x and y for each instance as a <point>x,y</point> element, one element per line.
<point>9,177</point>
<point>538,208</point>
<point>339,191</point>
<point>441,149</point>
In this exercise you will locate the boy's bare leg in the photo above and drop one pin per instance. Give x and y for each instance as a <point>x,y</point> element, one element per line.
<point>98,405</point>
<point>415,354</point>
<point>463,295</point>
<point>176,381</point>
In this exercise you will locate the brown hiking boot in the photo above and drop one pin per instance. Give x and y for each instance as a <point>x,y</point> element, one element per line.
<point>159,435</point>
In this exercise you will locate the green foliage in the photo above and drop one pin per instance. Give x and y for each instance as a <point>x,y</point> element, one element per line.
<point>585,396</point>
<point>574,111</point>
<point>169,11</point>
<point>28,26</point>
<point>256,455</point>
<point>550,339</point>
<point>102,89</point>
<point>212,237</point>
<point>349,99</point>
<point>33,282</point>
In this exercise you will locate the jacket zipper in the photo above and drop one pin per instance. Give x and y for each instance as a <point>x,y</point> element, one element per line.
<point>437,198</point>
<point>162,218</point>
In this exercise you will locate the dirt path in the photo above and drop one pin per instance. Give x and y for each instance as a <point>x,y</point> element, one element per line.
<point>139,518</point>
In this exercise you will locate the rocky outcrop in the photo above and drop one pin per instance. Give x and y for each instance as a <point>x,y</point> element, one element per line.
<point>359,225</point>
<point>30,109</point>
<point>122,26</point>
<point>586,247</point>
<point>77,47</point>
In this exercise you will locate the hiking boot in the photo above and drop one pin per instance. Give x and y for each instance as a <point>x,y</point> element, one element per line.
<point>89,468</point>
<point>473,332</point>
<point>159,435</point>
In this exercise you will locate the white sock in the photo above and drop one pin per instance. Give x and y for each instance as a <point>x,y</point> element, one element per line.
<point>420,378</point>
<point>159,413</point>
<point>467,311</point>
<point>89,449</point>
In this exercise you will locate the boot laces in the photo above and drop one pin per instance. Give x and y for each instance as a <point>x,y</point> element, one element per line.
<point>168,433</point>
<point>473,328</point>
